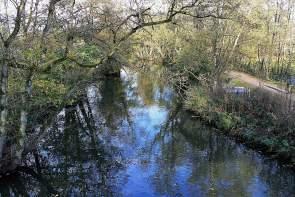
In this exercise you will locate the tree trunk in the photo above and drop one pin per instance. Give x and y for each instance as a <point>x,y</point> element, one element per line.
<point>4,88</point>
<point>21,136</point>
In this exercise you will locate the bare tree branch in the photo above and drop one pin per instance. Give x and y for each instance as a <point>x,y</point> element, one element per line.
<point>18,19</point>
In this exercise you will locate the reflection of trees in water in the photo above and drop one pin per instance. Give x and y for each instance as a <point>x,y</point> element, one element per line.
<point>146,89</point>
<point>217,165</point>
<point>74,158</point>
<point>153,90</point>
<point>78,157</point>
<point>277,177</point>
<point>169,144</point>
<point>25,181</point>
<point>114,105</point>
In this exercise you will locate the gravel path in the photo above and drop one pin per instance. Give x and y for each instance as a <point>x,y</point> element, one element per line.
<point>255,82</point>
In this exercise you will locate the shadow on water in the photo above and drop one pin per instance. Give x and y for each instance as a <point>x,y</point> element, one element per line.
<point>131,137</point>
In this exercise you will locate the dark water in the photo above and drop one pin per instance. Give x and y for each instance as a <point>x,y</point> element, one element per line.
<point>129,137</point>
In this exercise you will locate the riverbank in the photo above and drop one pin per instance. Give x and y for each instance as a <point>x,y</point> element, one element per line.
<point>262,121</point>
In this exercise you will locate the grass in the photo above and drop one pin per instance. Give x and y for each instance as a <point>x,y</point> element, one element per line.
<point>239,83</point>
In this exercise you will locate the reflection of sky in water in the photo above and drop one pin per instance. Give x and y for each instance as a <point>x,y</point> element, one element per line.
<point>257,187</point>
<point>139,146</point>
<point>127,138</point>
<point>190,174</point>
<point>148,122</point>
<point>166,95</point>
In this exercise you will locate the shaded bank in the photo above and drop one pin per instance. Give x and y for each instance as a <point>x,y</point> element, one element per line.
<point>262,120</point>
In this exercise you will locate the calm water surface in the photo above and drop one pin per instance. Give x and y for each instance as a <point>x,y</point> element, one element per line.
<point>129,137</point>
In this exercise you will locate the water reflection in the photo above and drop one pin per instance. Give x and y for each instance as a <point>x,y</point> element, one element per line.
<point>130,137</point>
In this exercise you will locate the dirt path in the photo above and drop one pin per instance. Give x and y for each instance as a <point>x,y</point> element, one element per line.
<point>255,82</point>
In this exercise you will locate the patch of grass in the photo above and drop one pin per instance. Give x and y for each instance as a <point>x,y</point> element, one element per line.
<point>239,83</point>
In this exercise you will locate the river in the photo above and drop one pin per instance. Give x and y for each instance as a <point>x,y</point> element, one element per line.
<point>131,137</point>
